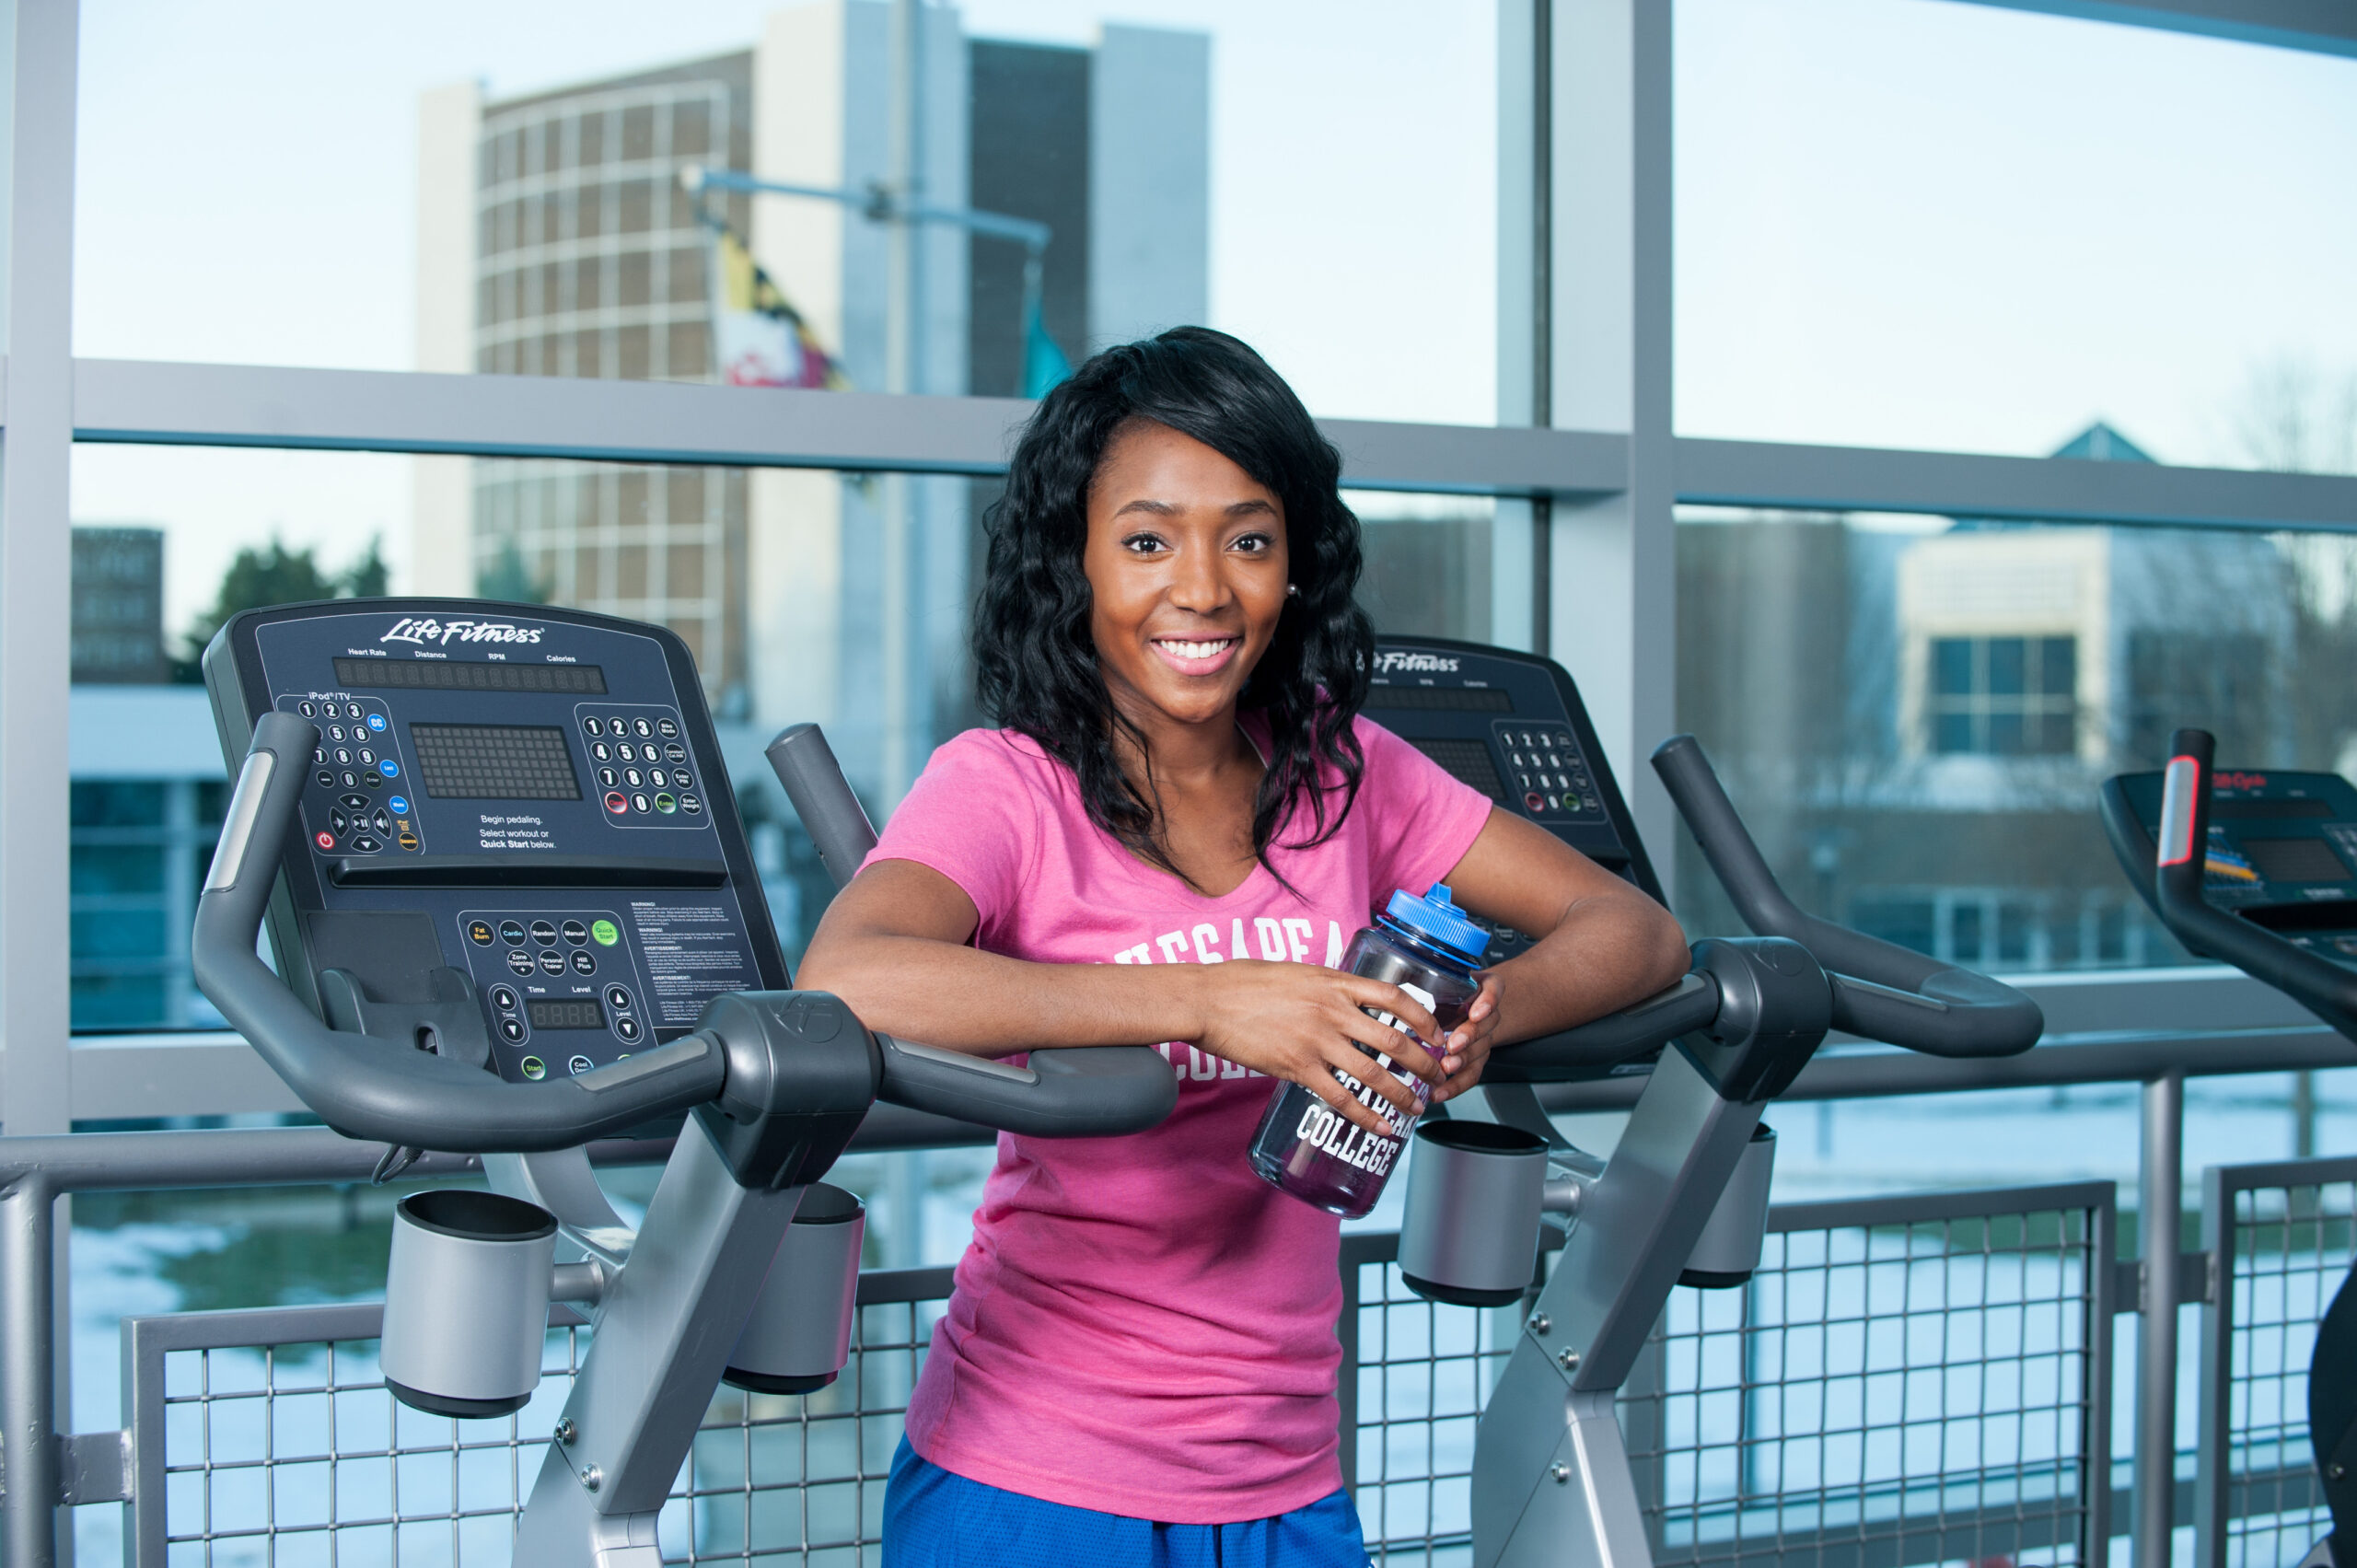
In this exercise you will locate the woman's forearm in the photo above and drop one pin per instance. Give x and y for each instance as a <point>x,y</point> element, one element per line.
<point>960,998</point>
<point>1604,955</point>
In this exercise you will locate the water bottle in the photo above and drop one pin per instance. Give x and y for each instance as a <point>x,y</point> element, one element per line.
<point>1428,948</point>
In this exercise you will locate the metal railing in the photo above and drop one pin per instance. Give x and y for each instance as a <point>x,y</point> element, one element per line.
<point>265,1435</point>
<point>2278,1238</point>
<point>1768,1464</point>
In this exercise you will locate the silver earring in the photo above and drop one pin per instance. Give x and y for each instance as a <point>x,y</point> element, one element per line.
<point>1292,591</point>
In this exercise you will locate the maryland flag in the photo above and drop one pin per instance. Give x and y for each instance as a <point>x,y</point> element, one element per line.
<point>762,340</point>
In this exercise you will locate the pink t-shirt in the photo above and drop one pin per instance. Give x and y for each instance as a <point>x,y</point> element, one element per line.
<point>1142,1325</point>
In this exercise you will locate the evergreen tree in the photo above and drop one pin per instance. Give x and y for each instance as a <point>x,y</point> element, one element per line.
<point>277,575</point>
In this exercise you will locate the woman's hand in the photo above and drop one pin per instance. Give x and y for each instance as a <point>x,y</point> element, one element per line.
<point>1469,1044</point>
<point>1304,1022</point>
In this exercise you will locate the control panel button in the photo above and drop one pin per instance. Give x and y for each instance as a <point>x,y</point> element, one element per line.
<point>544,933</point>
<point>327,778</point>
<point>479,931</point>
<point>372,781</point>
<point>593,725</point>
<point>551,963</point>
<point>335,732</point>
<point>519,960</point>
<point>616,802</point>
<point>367,755</point>
<point>408,840</point>
<point>535,1069</point>
<point>605,932</point>
<point>643,726</point>
<point>352,710</point>
<point>325,841</point>
<point>626,1028</point>
<point>578,1065</point>
<point>666,804</point>
<point>679,777</point>
<point>400,805</point>
<point>1534,801</point>
<point>389,768</point>
<point>626,751</point>
<point>584,962</point>
<point>344,754</point>
<point>362,844</point>
<point>617,998</point>
<point>608,777</point>
<point>309,710</point>
<point>575,933</point>
<point>503,998</point>
<point>690,805</point>
<point>349,779</point>
<point>658,778</point>
<point>381,819</point>
<point>641,804</point>
<point>633,777</point>
<point>666,729</point>
<point>353,802</point>
<point>513,1029</point>
<point>512,933</point>
<point>377,723</point>
<point>675,752</point>
<point>337,821</point>
<point>603,752</point>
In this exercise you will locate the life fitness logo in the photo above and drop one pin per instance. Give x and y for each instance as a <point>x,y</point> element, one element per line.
<point>2239,781</point>
<point>1413,663</point>
<point>442,634</point>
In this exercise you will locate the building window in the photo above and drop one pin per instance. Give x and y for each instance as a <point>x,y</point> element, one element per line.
<point>2004,696</point>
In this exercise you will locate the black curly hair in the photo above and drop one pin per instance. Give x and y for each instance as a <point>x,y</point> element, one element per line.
<point>1035,659</point>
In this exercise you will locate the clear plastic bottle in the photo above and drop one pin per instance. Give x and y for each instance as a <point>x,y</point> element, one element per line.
<point>1428,948</point>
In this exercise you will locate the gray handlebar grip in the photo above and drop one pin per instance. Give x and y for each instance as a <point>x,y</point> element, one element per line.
<point>1095,1091</point>
<point>1905,998</point>
<point>831,814</point>
<point>1604,1043</point>
<point>380,1089</point>
<point>1074,1092</point>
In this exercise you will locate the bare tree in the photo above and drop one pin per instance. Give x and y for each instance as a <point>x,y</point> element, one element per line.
<point>2294,418</point>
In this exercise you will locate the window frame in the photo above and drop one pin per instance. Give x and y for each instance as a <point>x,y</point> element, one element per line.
<point>1585,462</point>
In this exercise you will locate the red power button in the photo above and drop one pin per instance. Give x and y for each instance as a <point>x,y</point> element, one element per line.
<point>325,841</point>
<point>616,802</point>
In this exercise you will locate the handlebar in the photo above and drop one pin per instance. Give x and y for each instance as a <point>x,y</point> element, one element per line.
<point>1077,1091</point>
<point>1881,991</point>
<point>2321,986</point>
<point>375,1088</point>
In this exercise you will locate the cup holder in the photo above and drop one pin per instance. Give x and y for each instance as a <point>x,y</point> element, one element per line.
<point>467,1301</point>
<point>800,1335</point>
<point>1470,1238</point>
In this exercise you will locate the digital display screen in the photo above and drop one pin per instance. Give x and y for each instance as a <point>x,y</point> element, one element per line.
<point>494,762</point>
<point>449,675</point>
<point>2294,859</point>
<point>576,1013</point>
<point>1467,762</point>
<point>1452,699</point>
<point>2250,809</point>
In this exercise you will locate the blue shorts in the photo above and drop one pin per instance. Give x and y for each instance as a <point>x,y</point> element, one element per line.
<point>935,1519</point>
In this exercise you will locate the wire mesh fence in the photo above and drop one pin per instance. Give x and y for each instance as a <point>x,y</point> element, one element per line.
<point>2281,1238</point>
<point>1906,1380</point>
<point>280,1447</point>
<point>1918,1379</point>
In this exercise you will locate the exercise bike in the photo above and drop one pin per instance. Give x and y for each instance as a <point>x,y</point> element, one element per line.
<point>513,909</point>
<point>2252,869</point>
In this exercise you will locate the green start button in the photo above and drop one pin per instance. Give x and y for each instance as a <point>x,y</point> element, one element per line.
<point>605,932</point>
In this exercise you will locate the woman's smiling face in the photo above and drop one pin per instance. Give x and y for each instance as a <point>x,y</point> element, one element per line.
<point>1187,567</point>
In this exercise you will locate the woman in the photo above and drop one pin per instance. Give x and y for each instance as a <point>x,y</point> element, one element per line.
<point>1173,837</point>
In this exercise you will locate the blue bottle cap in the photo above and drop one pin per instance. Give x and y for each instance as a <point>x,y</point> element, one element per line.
<point>1439,921</point>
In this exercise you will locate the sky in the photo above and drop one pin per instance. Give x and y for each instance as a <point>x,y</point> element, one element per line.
<point>1910,223</point>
